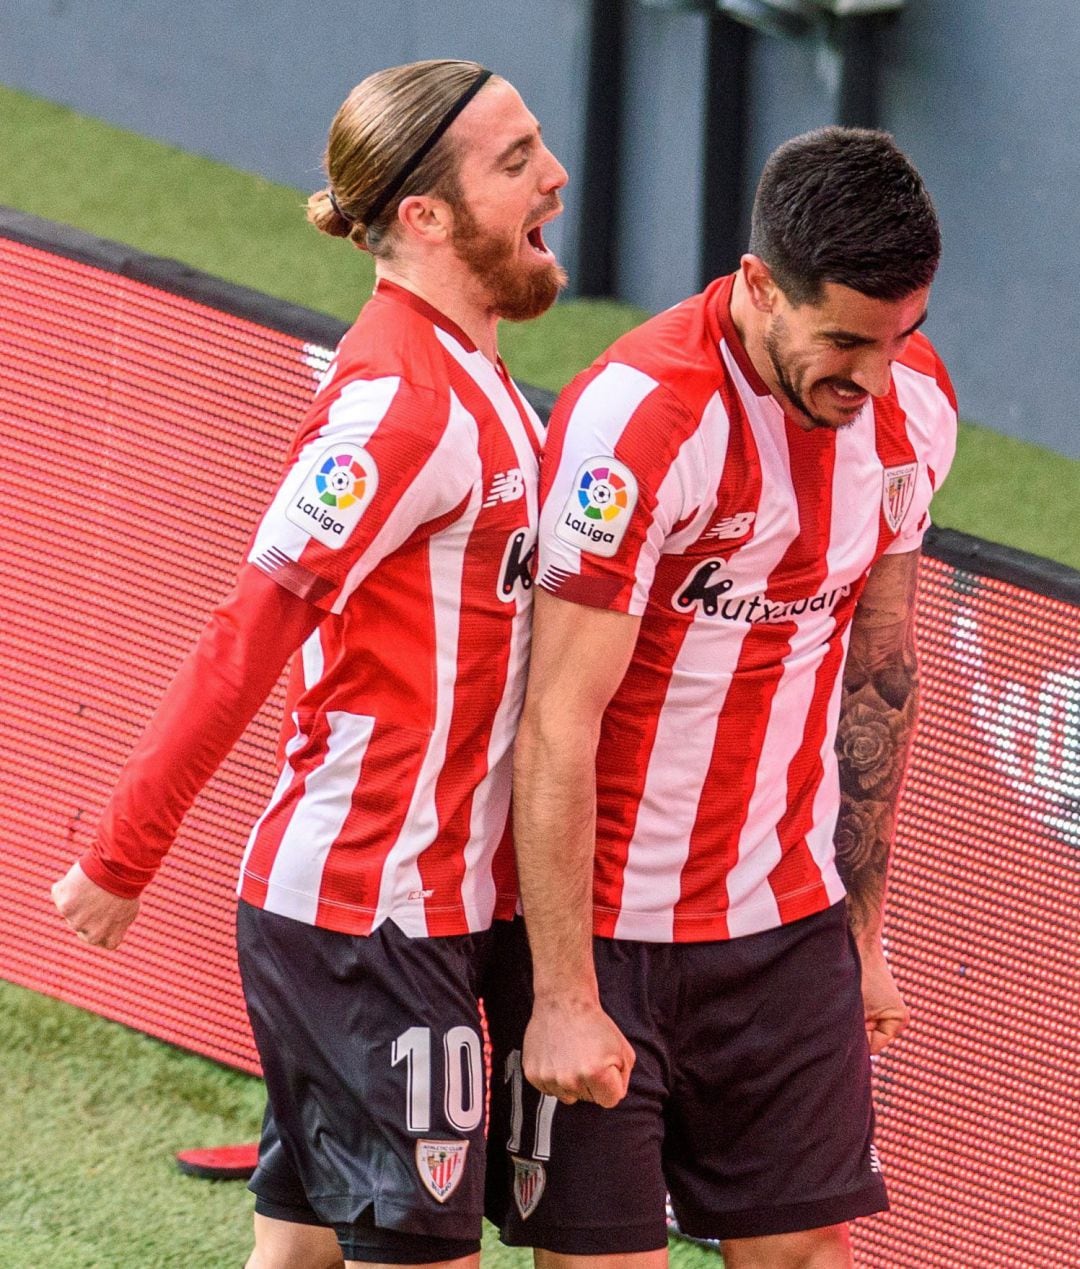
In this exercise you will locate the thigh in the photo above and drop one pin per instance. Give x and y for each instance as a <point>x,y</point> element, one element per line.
<point>577,1180</point>
<point>372,1053</point>
<point>771,1121</point>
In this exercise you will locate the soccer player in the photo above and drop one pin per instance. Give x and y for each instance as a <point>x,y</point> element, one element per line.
<point>396,555</point>
<point>720,703</point>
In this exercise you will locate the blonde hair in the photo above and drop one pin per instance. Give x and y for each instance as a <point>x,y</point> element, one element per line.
<point>383,121</point>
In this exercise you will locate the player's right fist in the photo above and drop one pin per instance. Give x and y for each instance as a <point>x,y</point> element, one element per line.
<point>97,917</point>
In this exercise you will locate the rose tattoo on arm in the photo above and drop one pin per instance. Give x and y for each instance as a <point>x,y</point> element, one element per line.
<point>877,723</point>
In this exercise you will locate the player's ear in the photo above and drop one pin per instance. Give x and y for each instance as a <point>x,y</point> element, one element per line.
<point>426,218</point>
<point>760,284</point>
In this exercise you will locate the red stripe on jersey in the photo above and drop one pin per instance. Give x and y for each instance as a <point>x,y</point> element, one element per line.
<point>797,877</point>
<point>401,446</point>
<point>442,864</point>
<point>627,736</point>
<point>920,355</point>
<point>504,874</point>
<point>726,796</point>
<point>804,566</point>
<point>255,875</point>
<point>349,890</point>
<point>556,431</point>
<point>796,880</point>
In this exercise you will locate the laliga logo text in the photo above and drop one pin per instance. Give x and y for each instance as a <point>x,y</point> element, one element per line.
<point>333,495</point>
<point>602,496</point>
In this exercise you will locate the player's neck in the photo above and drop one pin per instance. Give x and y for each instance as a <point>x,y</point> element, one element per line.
<point>454,290</point>
<point>750,328</point>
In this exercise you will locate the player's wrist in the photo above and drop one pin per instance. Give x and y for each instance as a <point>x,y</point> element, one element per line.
<point>576,996</point>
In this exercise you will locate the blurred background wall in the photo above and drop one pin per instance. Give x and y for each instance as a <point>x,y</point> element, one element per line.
<point>662,111</point>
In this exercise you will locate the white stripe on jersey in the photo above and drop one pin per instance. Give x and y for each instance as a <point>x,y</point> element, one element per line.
<point>491,800</point>
<point>446,562</point>
<point>312,658</point>
<point>292,888</point>
<point>658,849</point>
<point>931,427</point>
<point>711,436</point>
<point>453,468</point>
<point>603,409</point>
<point>751,903</point>
<point>353,417</point>
<point>490,382</point>
<point>284,780</point>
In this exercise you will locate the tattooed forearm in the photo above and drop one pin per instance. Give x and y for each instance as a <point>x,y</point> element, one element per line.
<point>877,722</point>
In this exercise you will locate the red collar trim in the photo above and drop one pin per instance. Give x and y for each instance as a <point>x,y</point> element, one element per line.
<point>392,291</point>
<point>730,335</point>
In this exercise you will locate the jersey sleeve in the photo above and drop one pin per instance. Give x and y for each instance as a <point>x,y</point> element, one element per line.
<point>373,465</point>
<point>614,484</point>
<point>217,691</point>
<point>926,393</point>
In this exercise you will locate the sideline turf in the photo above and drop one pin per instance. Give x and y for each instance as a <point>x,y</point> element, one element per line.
<point>90,1117</point>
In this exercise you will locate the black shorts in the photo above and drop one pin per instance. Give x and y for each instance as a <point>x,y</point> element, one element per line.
<point>372,1049</point>
<point>749,1101</point>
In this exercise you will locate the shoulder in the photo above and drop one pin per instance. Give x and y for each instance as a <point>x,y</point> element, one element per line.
<point>920,357</point>
<point>659,375</point>
<point>392,340</point>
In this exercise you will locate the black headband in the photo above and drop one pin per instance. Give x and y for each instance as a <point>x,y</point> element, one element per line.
<point>380,203</point>
<point>337,207</point>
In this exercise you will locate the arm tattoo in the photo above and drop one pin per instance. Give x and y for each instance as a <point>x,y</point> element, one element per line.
<point>877,722</point>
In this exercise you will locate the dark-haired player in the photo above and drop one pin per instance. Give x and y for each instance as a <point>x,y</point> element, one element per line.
<point>720,704</point>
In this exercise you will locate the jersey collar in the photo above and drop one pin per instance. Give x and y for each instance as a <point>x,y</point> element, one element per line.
<point>386,290</point>
<point>720,311</point>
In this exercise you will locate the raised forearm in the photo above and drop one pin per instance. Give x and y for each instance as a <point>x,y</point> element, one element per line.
<point>554,831</point>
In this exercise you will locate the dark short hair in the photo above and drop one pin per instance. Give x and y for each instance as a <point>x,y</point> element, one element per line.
<point>844,205</point>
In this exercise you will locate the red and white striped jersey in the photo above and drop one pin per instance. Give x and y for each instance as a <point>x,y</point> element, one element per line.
<point>408,511</point>
<point>673,488</point>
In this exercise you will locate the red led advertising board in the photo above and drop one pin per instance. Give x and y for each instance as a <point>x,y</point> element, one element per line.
<point>144,412</point>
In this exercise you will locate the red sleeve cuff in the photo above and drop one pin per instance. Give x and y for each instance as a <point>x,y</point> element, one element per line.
<point>105,876</point>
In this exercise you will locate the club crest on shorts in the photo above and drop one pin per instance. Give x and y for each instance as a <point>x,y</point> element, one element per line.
<point>441,1165</point>
<point>529,1181</point>
<point>897,492</point>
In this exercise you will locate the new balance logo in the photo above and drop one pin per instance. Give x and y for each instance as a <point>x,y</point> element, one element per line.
<point>731,527</point>
<point>506,486</point>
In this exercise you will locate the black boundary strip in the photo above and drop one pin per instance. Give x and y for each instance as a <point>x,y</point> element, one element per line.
<point>1004,563</point>
<point>192,284</point>
<point>961,550</point>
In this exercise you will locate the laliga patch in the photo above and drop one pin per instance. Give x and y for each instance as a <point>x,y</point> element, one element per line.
<point>897,492</point>
<point>334,495</point>
<point>441,1165</point>
<point>599,508</point>
<point>529,1181</point>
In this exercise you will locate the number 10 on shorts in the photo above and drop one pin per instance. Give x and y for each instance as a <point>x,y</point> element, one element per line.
<point>463,1098</point>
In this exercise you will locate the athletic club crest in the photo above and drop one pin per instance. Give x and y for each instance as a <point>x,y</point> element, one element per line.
<point>897,493</point>
<point>529,1181</point>
<point>441,1165</point>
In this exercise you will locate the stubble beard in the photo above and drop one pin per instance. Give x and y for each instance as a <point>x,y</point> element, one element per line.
<point>516,292</point>
<point>775,350</point>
